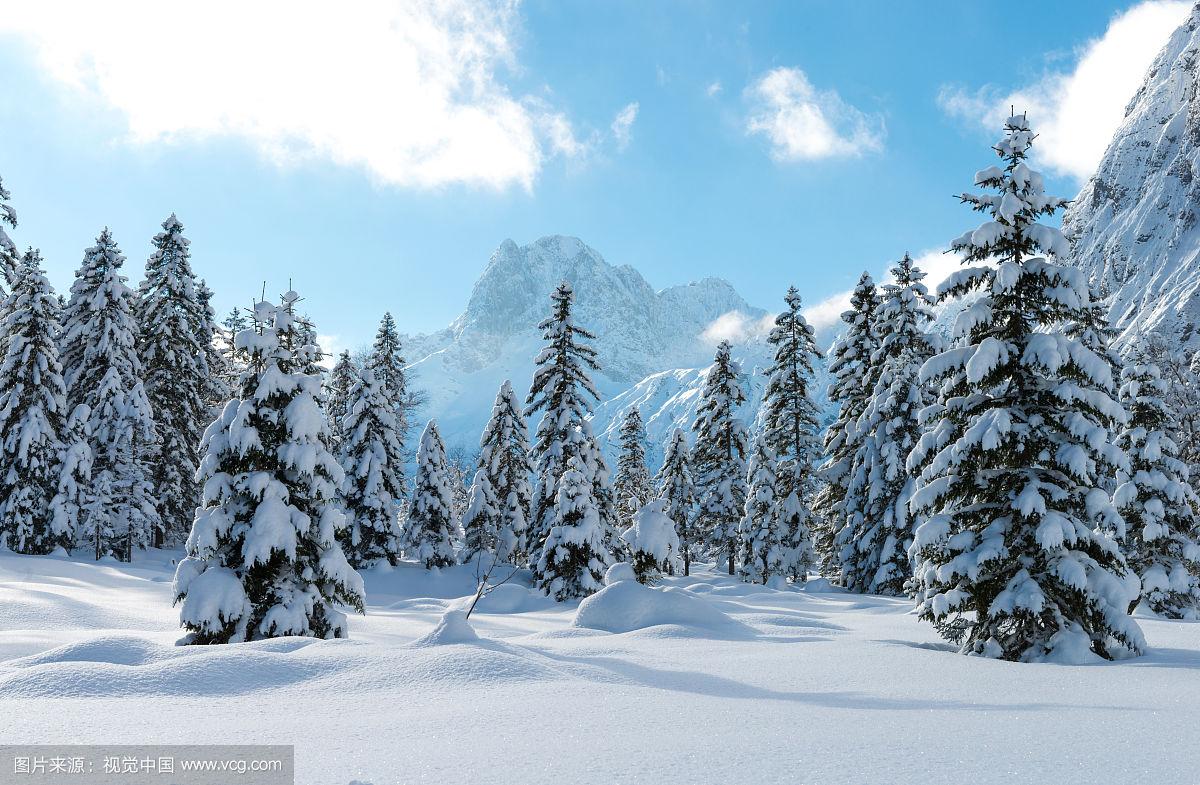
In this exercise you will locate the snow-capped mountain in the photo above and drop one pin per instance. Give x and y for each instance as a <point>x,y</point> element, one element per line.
<point>1134,225</point>
<point>642,335</point>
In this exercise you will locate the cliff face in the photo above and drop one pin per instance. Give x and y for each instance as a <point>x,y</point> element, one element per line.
<point>1133,227</point>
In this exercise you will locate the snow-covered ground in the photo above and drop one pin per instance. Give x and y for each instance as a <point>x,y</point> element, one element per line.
<point>717,682</point>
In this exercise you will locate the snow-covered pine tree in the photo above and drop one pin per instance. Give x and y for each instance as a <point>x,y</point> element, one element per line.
<point>219,390</point>
<point>234,360</point>
<point>1007,562</point>
<point>387,361</point>
<point>100,528</point>
<point>482,522</point>
<point>563,391</point>
<point>370,455</point>
<point>677,489</point>
<point>1181,371</point>
<point>791,421</point>
<point>873,553</point>
<point>653,542</point>
<point>33,402</point>
<point>431,524</point>
<point>263,559</point>
<point>175,371</point>
<point>573,560</point>
<point>758,531</point>
<point>504,458</point>
<point>795,531</point>
<point>69,505</point>
<point>337,394</point>
<point>104,374</point>
<point>460,468</point>
<point>631,485</point>
<point>1156,500</point>
<point>10,258</point>
<point>850,369</point>
<point>719,457</point>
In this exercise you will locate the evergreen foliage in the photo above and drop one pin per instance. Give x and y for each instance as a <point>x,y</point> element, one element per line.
<point>431,522</point>
<point>504,460</point>
<point>631,485</point>
<point>758,531</point>
<point>677,489</point>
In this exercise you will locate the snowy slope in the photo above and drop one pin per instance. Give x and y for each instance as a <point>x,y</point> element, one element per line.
<point>1134,225</point>
<point>722,684</point>
<point>640,331</point>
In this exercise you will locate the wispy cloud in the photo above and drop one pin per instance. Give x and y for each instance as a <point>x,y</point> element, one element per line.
<point>736,327</point>
<point>713,89</point>
<point>803,123</point>
<point>622,125</point>
<point>413,92</point>
<point>1076,112</point>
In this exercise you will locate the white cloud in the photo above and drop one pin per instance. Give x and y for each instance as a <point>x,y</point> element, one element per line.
<point>622,125</point>
<point>803,123</point>
<point>410,91</point>
<point>1076,113</point>
<point>736,327</point>
<point>713,90</point>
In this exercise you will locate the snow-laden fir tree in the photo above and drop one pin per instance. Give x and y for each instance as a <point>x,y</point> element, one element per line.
<point>791,421</point>
<point>1181,371</point>
<point>631,484</point>
<point>341,381</point>
<point>873,545</point>
<point>573,560</point>
<point>100,528</point>
<point>850,389</point>
<point>653,543</point>
<point>481,523</point>
<point>1007,562</point>
<point>504,459</point>
<point>795,531</point>
<point>10,258</point>
<point>233,360</point>
<point>1156,501</point>
<point>719,457</point>
<point>677,488</point>
<point>563,391</point>
<point>370,455</point>
<point>33,404</point>
<point>263,558</point>
<point>104,374</point>
<point>387,361</point>
<point>431,523</point>
<point>175,371</point>
<point>460,467</point>
<point>70,503</point>
<point>758,531</point>
<point>219,390</point>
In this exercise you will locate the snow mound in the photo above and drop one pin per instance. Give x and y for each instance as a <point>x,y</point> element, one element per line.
<point>512,598</point>
<point>625,605</point>
<point>453,628</point>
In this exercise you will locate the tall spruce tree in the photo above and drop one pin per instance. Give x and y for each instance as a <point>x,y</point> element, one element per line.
<point>171,320</point>
<point>370,455</point>
<point>429,530</point>
<point>792,419</point>
<point>263,559</point>
<point>631,485</point>
<point>481,523</point>
<point>563,391</point>
<point>504,460</point>
<point>678,490</point>
<point>1160,531</point>
<point>850,389</point>
<point>1008,564</point>
<point>574,558</point>
<point>234,360</point>
<point>758,531</point>
<point>70,504</point>
<point>387,361</point>
<point>104,374</point>
<point>720,455</point>
<point>873,546</point>
<point>33,404</point>
<point>338,395</point>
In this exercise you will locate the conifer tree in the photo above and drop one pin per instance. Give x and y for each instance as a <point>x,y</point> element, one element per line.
<point>370,455</point>
<point>482,522</point>
<point>791,416</point>
<point>234,360</point>
<point>10,258</point>
<point>431,523</point>
<point>104,374</point>
<point>653,542</point>
<point>1008,564</point>
<point>795,531</point>
<point>1156,501</point>
<point>677,489</point>
<point>263,559</point>
<point>873,545</point>
<point>504,459</point>
<point>573,560</point>
<point>720,455</point>
<point>69,506</point>
<point>219,390</point>
<point>337,396</point>
<point>851,387</point>
<point>563,391</point>
<point>387,361</point>
<point>758,531</point>
<point>33,401</point>
<point>631,485</point>
<point>175,372</point>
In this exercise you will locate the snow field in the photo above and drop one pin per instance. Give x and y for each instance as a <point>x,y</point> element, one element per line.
<point>815,686</point>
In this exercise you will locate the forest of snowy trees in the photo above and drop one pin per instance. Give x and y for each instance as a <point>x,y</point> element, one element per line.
<point>1022,480</point>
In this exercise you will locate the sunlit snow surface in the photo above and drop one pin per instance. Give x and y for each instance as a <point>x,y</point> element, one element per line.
<point>760,686</point>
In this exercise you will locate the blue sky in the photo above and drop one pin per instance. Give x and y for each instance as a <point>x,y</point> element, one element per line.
<point>377,156</point>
